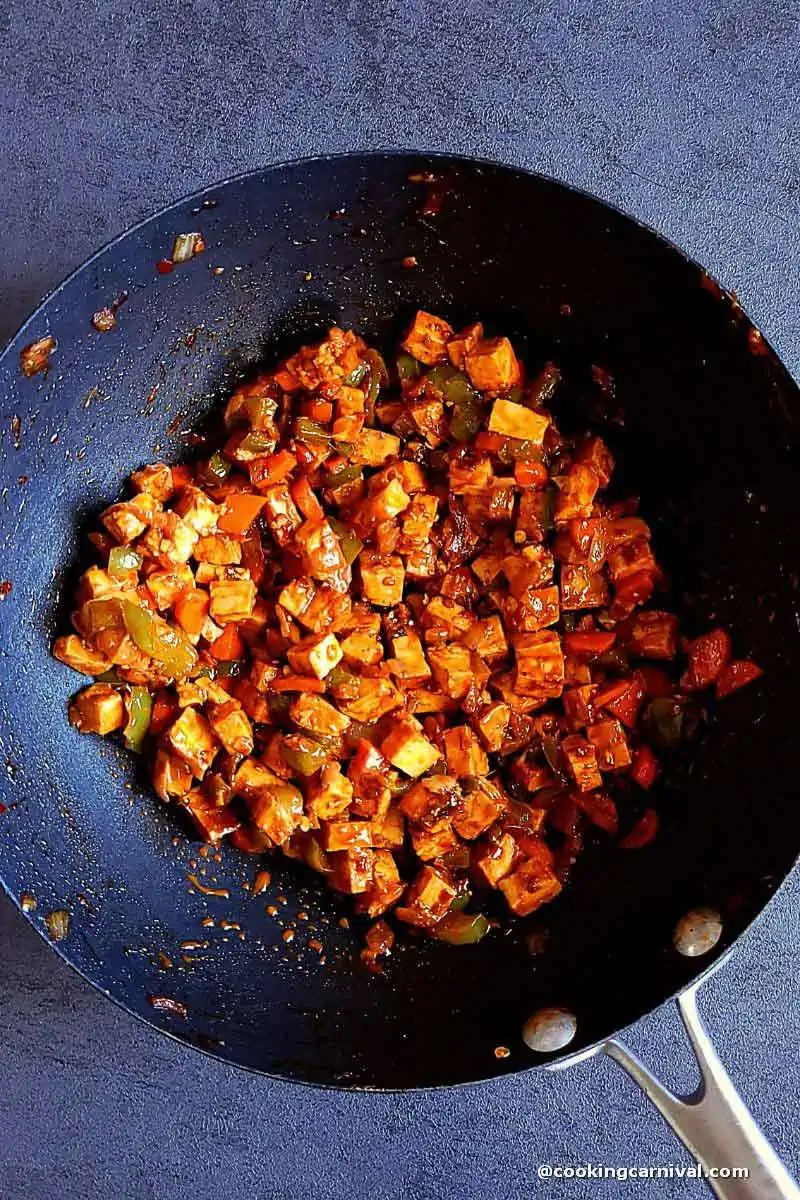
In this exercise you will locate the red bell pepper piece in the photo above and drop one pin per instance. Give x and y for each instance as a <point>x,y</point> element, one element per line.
<point>643,831</point>
<point>589,642</point>
<point>736,675</point>
<point>644,767</point>
<point>601,810</point>
<point>707,655</point>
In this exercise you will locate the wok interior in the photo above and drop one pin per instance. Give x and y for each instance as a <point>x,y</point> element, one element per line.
<point>704,432</point>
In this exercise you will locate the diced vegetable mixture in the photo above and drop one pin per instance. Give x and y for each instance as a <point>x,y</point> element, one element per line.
<point>393,627</point>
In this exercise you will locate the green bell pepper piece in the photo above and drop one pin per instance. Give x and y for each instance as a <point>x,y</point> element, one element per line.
<point>139,707</point>
<point>461,929</point>
<point>121,560</point>
<point>166,646</point>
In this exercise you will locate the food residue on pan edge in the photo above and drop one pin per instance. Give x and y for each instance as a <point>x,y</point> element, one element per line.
<point>34,359</point>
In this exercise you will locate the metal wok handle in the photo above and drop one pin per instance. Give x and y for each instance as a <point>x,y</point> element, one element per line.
<point>713,1122</point>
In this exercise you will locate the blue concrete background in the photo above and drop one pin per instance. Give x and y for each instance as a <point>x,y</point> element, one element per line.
<point>686,119</point>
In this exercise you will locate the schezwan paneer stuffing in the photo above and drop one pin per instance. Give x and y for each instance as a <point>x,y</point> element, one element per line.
<point>396,626</point>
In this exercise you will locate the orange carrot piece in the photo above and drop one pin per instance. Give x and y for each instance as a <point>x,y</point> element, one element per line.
<point>228,646</point>
<point>191,610</point>
<point>297,683</point>
<point>241,509</point>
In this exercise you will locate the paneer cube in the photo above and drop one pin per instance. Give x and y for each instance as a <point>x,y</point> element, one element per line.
<point>231,600</point>
<point>352,870</point>
<point>296,597</point>
<point>382,578</point>
<point>610,744</point>
<point>464,753</point>
<point>166,585</point>
<point>278,812</point>
<point>654,635</point>
<point>595,453</point>
<point>169,539</point>
<point>97,709</point>
<point>156,480</point>
<point>629,558</point>
<point>192,739</point>
<point>409,662</point>
<point>529,887</point>
<point>464,341</point>
<point>535,513</point>
<point>198,510</point>
<point>492,721</point>
<point>221,549</point>
<point>373,447</point>
<point>417,521</point>
<point>386,888</point>
<point>433,841</point>
<point>369,773</point>
<point>431,800</point>
<point>427,416</point>
<point>534,609</point>
<point>171,775</point>
<point>389,831</point>
<point>579,589</point>
<point>252,778</point>
<point>317,715</point>
<point>446,619</point>
<point>231,726</point>
<point>453,669</point>
<point>494,858</point>
<point>213,822</point>
<point>540,663</point>
<point>583,542</point>
<point>321,553</point>
<point>427,338</point>
<point>487,638</point>
<point>316,655</point>
<point>345,835</point>
<point>329,794</point>
<point>130,518</point>
<point>74,652</point>
<point>428,898</point>
<point>578,706</point>
<point>371,698</point>
<point>516,421</point>
<point>483,804</point>
<point>408,749</point>
<point>493,366</point>
<point>581,758</point>
<point>576,492</point>
<point>281,515</point>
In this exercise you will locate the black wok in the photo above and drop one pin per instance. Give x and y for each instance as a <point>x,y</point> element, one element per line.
<point>706,431</point>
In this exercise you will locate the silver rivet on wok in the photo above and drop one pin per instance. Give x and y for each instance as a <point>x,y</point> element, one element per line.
<point>549,1029</point>
<point>697,932</point>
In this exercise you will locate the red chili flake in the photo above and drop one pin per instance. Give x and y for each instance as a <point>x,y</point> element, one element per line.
<point>337,214</point>
<point>409,261</point>
<point>565,310</point>
<point>16,430</point>
<point>166,1004</point>
<point>164,266</point>
<point>5,588</point>
<point>23,479</point>
<point>34,359</point>
<point>423,177</point>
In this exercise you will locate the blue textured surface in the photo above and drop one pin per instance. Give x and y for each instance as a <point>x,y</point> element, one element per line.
<point>686,121</point>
